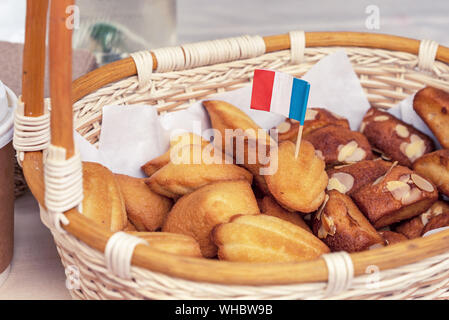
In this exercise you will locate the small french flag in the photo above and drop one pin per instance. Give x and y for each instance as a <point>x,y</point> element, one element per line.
<point>280,93</point>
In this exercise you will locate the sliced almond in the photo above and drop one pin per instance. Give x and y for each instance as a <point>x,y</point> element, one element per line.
<point>319,154</point>
<point>437,210</point>
<point>328,224</point>
<point>284,127</point>
<point>294,121</point>
<point>381,118</point>
<point>425,217</point>
<point>362,126</point>
<point>398,189</point>
<point>358,155</point>
<point>378,180</point>
<point>414,149</point>
<point>411,197</point>
<point>404,178</point>
<point>422,183</point>
<point>311,114</point>
<point>341,181</point>
<point>345,151</point>
<point>323,205</point>
<point>402,131</point>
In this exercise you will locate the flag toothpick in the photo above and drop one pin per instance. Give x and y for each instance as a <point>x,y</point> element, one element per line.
<point>283,94</point>
<point>298,140</point>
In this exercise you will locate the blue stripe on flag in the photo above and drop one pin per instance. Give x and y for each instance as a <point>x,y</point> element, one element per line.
<point>299,98</point>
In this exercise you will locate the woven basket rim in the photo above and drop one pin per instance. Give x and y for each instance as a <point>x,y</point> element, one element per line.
<point>238,273</point>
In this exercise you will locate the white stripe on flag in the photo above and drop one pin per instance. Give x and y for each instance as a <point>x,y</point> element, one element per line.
<point>281,94</point>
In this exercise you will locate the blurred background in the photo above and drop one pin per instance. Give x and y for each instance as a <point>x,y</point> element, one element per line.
<point>116,27</point>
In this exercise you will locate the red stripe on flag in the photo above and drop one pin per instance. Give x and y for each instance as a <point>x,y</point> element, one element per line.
<point>262,90</point>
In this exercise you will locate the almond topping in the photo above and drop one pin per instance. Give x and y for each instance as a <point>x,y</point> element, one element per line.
<point>402,131</point>
<point>319,154</point>
<point>422,183</point>
<point>311,114</point>
<point>294,121</point>
<point>327,227</point>
<point>398,189</point>
<point>362,126</point>
<point>411,196</point>
<point>358,155</point>
<point>425,217</point>
<point>346,150</point>
<point>414,149</point>
<point>437,210</point>
<point>404,178</point>
<point>341,181</point>
<point>284,127</point>
<point>381,118</point>
<point>320,210</point>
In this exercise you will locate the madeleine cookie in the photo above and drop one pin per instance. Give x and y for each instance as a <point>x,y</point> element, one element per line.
<point>224,116</point>
<point>298,184</point>
<point>398,195</point>
<point>437,216</point>
<point>341,225</point>
<point>270,207</point>
<point>263,238</point>
<point>339,145</point>
<point>103,202</point>
<point>435,167</point>
<point>348,179</point>
<point>396,139</point>
<point>179,141</point>
<point>178,244</point>
<point>186,174</point>
<point>195,214</point>
<point>391,237</point>
<point>146,209</point>
<point>247,138</point>
<point>315,118</point>
<point>432,105</point>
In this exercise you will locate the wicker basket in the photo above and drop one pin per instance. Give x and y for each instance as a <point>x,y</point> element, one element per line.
<point>389,68</point>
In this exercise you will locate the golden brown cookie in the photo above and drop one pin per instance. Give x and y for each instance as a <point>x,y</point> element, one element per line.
<point>432,105</point>
<point>103,202</point>
<point>195,214</point>
<point>341,225</point>
<point>191,171</point>
<point>263,238</point>
<point>398,195</point>
<point>247,137</point>
<point>315,118</point>
<point>348,179</point>
<point>179,141</point>
<point>435,167</point>
<point>396,139</point>
<point>298,184</point>
<point>270,207</point>
<point>146,209</point>
<point>435,217</point>
<point>391,237</point>
<point>339,145</point>
<point>178,244</point>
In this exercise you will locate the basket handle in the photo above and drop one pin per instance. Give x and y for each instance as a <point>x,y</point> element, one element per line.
<point>34,58</point>
<point>61,77</point>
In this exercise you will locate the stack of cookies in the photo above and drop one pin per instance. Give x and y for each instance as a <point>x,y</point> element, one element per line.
<point>347,190</point>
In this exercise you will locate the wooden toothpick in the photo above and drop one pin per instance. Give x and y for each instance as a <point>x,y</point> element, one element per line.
<point>298,140</point>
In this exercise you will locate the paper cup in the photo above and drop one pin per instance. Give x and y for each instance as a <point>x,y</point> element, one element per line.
<point>8,103</point>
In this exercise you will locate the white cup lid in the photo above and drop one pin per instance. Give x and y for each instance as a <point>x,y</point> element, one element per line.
<point>8,103</point>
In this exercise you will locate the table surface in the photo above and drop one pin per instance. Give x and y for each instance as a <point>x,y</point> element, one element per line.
<point>36,269</point>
